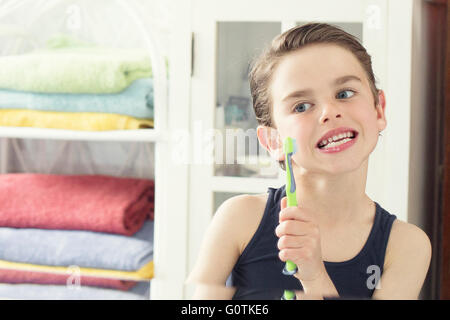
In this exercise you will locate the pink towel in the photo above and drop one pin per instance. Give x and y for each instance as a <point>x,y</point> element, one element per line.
<point>22,276</point>
<point>90,202</point>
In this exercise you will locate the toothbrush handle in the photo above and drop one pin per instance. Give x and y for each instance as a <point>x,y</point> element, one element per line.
<point>290,268</point>
<point>291,199</point>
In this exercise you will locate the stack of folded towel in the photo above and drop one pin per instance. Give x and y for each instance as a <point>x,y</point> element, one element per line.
<point>77,88</point>
<point>75,237</point>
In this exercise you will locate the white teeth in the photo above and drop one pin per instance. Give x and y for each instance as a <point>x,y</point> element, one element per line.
<point>335,144</point>
<point>346,136</point>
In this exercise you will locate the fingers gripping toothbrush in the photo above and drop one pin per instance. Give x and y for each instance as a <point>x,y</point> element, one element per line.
<point>289,148</point>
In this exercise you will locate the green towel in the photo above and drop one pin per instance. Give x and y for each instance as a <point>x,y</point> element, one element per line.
<point>74,70</point>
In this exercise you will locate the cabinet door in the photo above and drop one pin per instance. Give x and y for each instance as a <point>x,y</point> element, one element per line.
<point>227,158</point>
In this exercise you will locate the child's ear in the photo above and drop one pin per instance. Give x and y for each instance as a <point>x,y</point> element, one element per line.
<point>380,107</point>
<point>269,138</point>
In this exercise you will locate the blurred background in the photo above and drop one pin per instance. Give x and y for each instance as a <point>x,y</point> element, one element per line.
<point>186,120</point>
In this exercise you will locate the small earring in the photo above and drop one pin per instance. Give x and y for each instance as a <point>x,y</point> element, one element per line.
<point>379,134</point>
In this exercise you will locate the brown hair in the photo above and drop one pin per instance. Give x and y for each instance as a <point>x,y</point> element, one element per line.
<point>296,38</point>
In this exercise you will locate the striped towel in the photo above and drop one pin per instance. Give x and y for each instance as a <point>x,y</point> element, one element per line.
<point>58,292</point>
<point>32,277</point>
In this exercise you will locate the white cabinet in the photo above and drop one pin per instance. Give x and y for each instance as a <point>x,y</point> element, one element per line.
<point>225,36</point>
<point>26,25</point>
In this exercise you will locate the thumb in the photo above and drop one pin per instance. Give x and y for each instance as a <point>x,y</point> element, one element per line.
<point>283,203</point>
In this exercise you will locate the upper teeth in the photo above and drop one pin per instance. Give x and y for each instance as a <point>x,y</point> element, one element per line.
<point>336,138</point>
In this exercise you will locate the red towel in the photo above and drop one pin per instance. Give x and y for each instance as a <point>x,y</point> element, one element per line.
<point>22,276</point>
<point>90,202</point>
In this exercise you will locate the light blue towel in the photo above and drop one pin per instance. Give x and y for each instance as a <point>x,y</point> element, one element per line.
<point>79,248</point>
<point>59,292</point>
<point>135,101</point>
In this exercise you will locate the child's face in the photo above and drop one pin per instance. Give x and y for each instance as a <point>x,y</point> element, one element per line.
<point>326,104</point>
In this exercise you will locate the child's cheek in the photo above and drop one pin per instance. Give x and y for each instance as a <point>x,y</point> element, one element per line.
<point>368,121</point>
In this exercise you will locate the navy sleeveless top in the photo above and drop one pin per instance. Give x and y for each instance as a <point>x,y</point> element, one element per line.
<point>257,273</point>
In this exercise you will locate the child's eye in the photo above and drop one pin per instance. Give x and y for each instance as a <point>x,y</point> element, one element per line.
<point>302,107</point>
<point>345,94</point>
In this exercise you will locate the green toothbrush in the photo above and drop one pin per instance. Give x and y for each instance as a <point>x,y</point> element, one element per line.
<point>289,148</point>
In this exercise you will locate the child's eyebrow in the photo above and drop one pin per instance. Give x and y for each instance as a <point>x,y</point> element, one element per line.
<point>306,92</point>
<point>345,79</point>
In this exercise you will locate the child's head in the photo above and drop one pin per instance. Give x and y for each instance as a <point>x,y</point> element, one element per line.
<point>321,48</point>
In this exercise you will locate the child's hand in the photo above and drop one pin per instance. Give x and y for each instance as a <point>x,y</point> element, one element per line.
<point>300,242</point>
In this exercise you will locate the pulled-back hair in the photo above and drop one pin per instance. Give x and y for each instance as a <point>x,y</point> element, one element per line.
<point>296,38</point>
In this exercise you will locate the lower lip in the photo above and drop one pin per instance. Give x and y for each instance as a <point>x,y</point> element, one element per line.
<point>341,147</point>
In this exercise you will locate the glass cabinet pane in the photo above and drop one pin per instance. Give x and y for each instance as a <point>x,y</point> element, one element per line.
<point>238,43</point>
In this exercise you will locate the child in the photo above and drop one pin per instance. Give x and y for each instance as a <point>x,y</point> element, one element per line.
<point>314,84</point>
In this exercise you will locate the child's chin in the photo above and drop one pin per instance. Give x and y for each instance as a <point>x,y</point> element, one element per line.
<point>342,167</point>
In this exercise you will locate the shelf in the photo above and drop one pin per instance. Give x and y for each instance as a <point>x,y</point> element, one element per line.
<point>244,185</point>
<point>144,135</point>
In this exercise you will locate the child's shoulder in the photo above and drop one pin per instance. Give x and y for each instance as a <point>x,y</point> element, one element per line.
<point>243,213</point>
<point>244,201</point>
<point>403,233</point>
<point>407,239</point>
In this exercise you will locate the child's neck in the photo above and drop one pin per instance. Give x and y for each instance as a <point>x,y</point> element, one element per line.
<point>334,199</point>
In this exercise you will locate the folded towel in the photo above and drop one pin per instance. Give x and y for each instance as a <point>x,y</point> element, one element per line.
<point>144,273</point>
<point>75,202</point>
<point>31,277</point>
<point>74,70</point>
<point>82,248</point>
<point>57,292</point>
<point>62,40</point>
<point>135,101</point>
<point>85,121</point>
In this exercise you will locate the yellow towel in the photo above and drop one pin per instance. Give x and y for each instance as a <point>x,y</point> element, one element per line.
<point>144,273</point>
<point>85,121</point>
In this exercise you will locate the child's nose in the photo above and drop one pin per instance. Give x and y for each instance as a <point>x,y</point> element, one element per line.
<point>330,111</point>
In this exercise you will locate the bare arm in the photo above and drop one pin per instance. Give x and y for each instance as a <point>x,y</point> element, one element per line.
<point>230,230</point>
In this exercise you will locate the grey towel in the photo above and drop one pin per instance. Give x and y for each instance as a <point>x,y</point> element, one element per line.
<point>81,248</point>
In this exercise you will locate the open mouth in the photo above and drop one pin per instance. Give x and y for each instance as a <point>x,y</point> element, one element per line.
<point>337,140</point>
